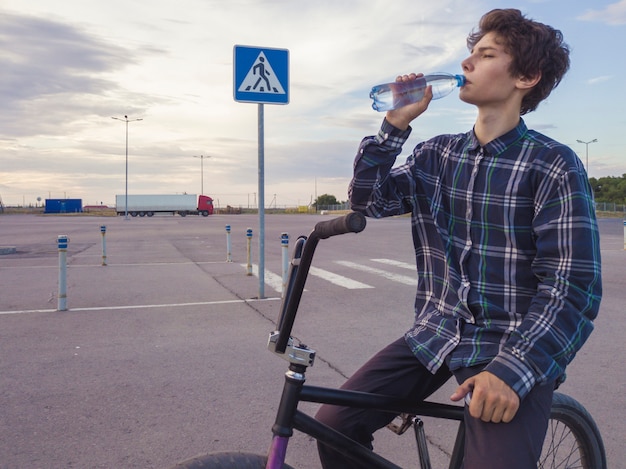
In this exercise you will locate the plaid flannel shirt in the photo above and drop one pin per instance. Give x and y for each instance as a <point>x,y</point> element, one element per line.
<point>506,246</point>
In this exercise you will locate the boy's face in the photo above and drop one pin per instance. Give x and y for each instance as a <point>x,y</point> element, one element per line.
<point>489,82</point>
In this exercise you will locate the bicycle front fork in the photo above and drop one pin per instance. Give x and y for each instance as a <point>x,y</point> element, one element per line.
<point>300,357</point>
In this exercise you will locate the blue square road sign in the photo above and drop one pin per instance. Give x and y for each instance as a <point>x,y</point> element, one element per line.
<point>261,75</point>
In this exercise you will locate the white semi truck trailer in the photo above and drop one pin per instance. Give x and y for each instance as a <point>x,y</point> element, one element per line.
<point>148,205</point>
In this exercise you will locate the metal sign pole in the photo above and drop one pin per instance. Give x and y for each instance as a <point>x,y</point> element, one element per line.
<point>261,204</point>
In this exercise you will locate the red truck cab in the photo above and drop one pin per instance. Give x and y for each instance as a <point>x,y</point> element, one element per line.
<point>205,205</point>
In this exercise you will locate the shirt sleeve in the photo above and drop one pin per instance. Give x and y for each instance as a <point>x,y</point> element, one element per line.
<point>567,265</point>
<point>373,190</point>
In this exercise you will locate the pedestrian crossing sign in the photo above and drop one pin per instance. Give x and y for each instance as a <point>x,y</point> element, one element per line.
<point>261,75</point>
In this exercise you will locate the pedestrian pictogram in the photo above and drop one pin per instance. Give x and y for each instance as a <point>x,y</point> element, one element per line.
<point>261,78</point>
<point>261,75</point>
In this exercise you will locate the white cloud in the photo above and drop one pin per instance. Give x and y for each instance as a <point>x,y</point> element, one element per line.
<point>600,79</point>
<point>613,14</point>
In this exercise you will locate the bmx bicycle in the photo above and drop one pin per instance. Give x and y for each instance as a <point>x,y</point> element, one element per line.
<point>573,440</point>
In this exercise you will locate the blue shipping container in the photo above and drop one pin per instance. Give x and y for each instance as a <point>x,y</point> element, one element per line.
<point>64,205</point>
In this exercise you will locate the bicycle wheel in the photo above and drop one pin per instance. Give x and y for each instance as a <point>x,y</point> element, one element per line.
<point>573,440</point>
<point>228,460</point>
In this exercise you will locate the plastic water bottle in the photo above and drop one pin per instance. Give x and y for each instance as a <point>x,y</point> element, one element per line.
<point>397,94</point>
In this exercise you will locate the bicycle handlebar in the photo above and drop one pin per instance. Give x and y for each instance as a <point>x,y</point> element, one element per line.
<point>353,222</point>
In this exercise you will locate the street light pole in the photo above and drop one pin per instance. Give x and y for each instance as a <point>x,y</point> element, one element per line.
<point>587,151</point>
<point>126,120</point>
<point>202,157</point>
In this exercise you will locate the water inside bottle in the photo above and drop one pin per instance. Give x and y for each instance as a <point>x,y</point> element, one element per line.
<point>397,94</point>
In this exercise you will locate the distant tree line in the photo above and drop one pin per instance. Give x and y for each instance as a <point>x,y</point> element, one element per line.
<point>609,189</point>
<point>326,201</point>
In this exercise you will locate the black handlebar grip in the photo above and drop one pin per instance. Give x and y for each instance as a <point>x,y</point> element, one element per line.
<point>353,222</point>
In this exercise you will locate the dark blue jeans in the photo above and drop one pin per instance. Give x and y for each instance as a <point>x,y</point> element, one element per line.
<point>395,371</point>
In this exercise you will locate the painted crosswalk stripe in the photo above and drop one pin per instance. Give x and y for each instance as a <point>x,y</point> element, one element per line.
<point>271,280</point>
<point>402,265</point>
<point>338,280</point>
<point>276,282</point>
<point>404,279</point>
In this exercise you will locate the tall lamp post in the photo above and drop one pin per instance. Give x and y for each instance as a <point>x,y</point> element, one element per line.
<point>587,151</point>
<point>127,120</point>
<point>202,157</point>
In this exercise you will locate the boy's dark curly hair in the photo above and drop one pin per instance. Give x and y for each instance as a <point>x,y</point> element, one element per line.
<point>536,49</point>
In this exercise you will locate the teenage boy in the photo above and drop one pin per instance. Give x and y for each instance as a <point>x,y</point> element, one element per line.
<point>506,247</point>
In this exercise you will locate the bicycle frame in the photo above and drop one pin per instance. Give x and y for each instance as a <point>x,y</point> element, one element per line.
<point>289,417</point>
<point>300,357</point>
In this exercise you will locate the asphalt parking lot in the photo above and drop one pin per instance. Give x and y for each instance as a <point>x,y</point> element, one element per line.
<point>162,354</point>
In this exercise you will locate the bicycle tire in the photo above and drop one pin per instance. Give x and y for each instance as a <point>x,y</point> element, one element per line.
<point>573,440</point>
<point>226,460</point>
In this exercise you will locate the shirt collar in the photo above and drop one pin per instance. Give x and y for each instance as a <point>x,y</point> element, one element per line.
<point>501,143</point>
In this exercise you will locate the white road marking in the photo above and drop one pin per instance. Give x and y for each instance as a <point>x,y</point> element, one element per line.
<point>271,279</point>
<point>113,308</point>
<point>276,281</point>
<point>337,279</point>
<point>403,265</point>
<point>99,266</point>
<point>383,273</point>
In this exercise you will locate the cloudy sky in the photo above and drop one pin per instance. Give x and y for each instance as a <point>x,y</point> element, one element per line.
<point>67,67</point>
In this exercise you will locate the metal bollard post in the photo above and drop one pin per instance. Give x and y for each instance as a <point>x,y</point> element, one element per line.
<point>249,250</point>
<point>228,246</point>
<point>284,242</point>
<point>624,234</point>
<point>62,242</point>
<point>103,230</point>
